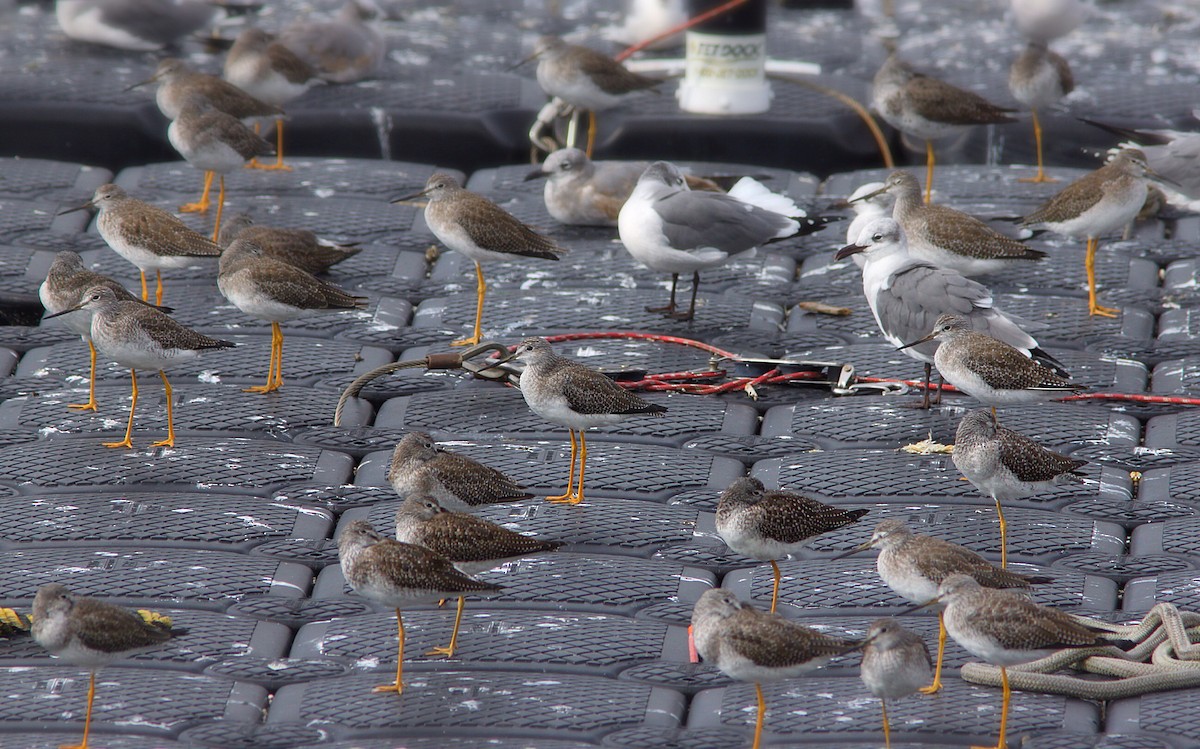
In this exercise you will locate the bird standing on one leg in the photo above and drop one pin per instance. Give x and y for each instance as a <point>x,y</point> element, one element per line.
<point>478,228</point>
<point>895,664</point>
<point>1039,78</point>
<point>569,394</point>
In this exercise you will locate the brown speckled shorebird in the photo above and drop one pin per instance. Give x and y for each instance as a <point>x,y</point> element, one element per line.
<point>146,235</point>
<point>768,525</point>
<point>1006,465</point>
<point>948,238</point>
<point>928,108</point>
<point>92,634</point>
<point>481,230</point>
<point>141,337</point>
<point>1005,628</point>
<point>895,664</point>
<point>391,573</point>
<point>215,142</point>
<point>473,544</point>
<point>569,394</point>
<point>913,565</point>
<point>298,247</point>
<point>64,287</point>
<point>584,78</point>
<point>756,646</point>
<point>270,72</point>
<point>275,291</point>
<point>419,466</point>
<point>990,370</point>
<point>1039,78</point>
<point>1094,205</point>
<point>343,49</point>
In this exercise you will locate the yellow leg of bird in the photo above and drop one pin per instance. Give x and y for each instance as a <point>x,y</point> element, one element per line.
<point>1094,307</point>
<point>1003,535</point>
<point>203,203</point>
<point>448,651</point>
<point>929,161</point>
<point>220,205</point>
<point>145,291</point>
<point>398,687</point>
<point>1037,138</point>
<point>128,441</point>
<point>170,440</point>
<point>578,496</point>
<point>253,162</point>
<point>266,387</point>
<point>762,712</point>
<point>887,730</point>
<point>1003,711</point>
<point>158,287</point>
<point>567,495</point>
<point>936,686</point>
<point>775,588</point>
<point>91,404</point>
<point>591,142</point>
<point>480,293</point>
<point>87,720</point>
<point>277,335</point>
<point>279,165</point>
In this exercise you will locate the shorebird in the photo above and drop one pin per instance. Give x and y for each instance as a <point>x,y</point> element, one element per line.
<point>298,247</point>
<point>755,646</point>
<point>216,143</point>
<point>585,79</point>
<point>1045,20</point>
<point>913,565</point>
<point>768,525</point>
<point>138,25</point>
<point>65,284</point>
<point>391,573</point>
<point>671,229</point>
<point>275,291</point>
<point>420,467</point>
<point>139,336</point>
<point>92,634</point>
<point>948,238</point>
<point>473,544</point>
<point>146,235</point>
<point>895,664</point>
<point>569,394</point>
<point>990,370</point>
<point>1005,628</point>
<point>927,108</point>
<point>478,228</point>
<point>343,50</point>
<point>1039,78</point>
<point>1172,154</point>
<point>1094,205</point>
<point>582,192</point>
<point>907,296</point>
<point>1006,465</point>
<point>270,72</point>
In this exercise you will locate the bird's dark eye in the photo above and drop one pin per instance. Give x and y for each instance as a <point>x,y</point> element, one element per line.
<point>876,237</point>
<point>566,167</point>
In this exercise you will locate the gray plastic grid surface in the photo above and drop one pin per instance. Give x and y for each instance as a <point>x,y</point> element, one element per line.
<point>839,708</point>
<point>211,580</point>
<point>853,586</point>
<point>615,469</point>
<point>491,639</point>
<point>614,525</point>
<point>571,582</point>
<point>1177,430</point>
<point>225,734</point>
<point>497,703</point>
<point>889,474</point>
<point>1180,588</point>
<point>29,179</point>
<point>516,313</point>
<point>210,637</point>
<point>1065,740</point>
<point>478,410</point>
<point>1172,537</point>
<point>1172,715</point>
<point>198,520</point>
<point>199,409</point>
<point>1176,377</point>
<point>892,422</point>
<point>157,703</point>
<point>236,465</point>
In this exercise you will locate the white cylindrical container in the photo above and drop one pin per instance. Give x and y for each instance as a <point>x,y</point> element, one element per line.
<point>726,61</point>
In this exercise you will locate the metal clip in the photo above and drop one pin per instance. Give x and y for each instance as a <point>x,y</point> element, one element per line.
<point>546,117</point>
<point>845,384</point>
<point>489,369</point>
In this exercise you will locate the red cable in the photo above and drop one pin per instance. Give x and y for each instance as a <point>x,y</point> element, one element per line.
<point>681,27</point>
